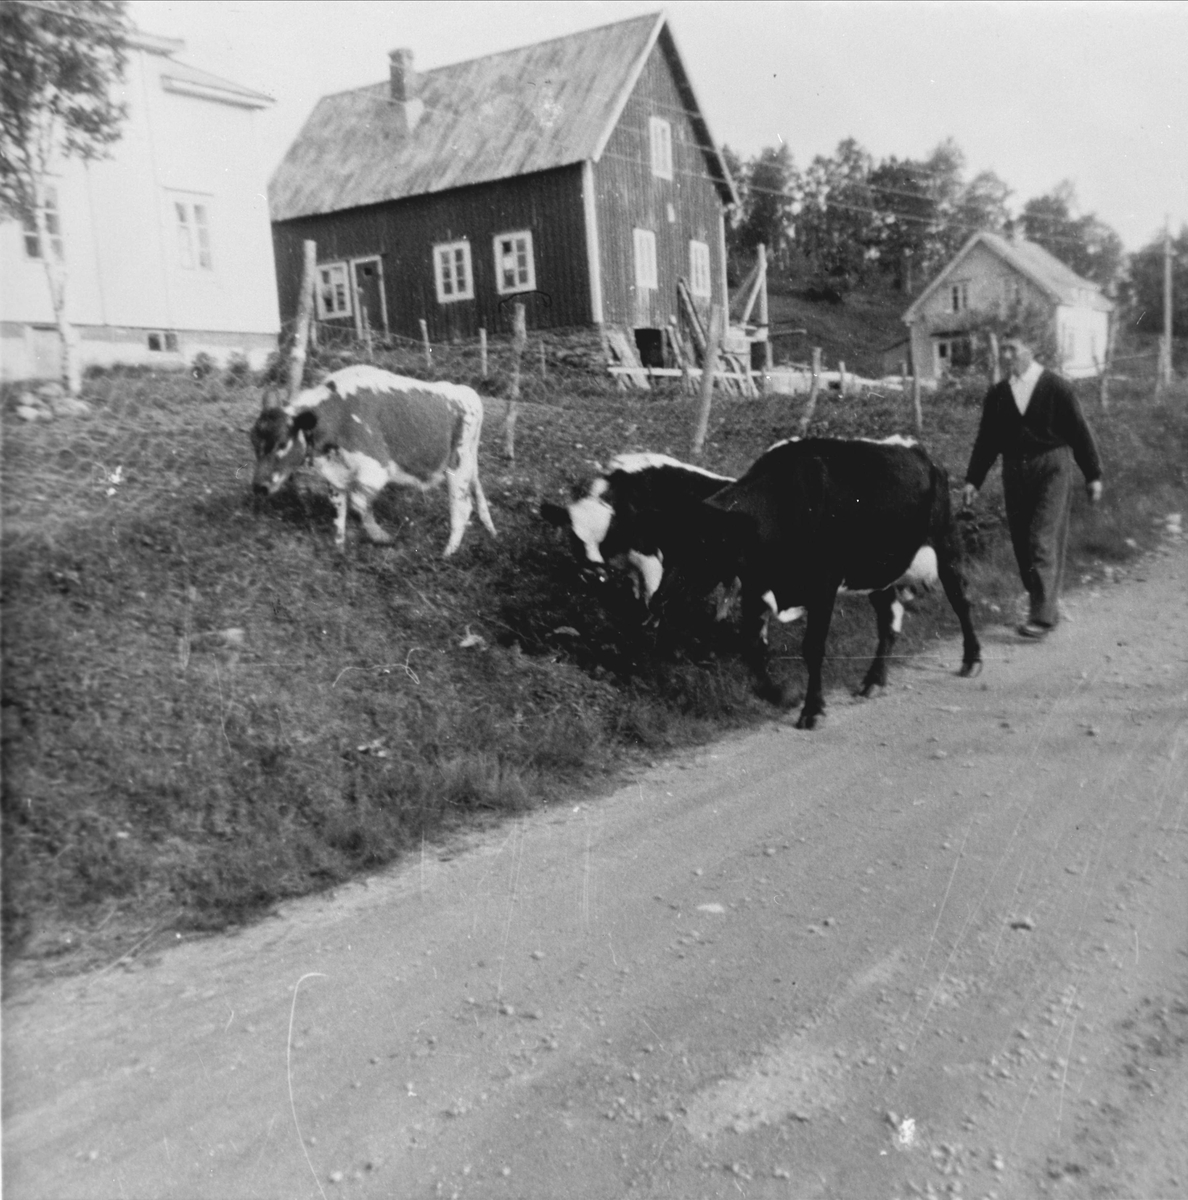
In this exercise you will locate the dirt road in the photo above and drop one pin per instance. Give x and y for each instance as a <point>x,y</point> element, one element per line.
<point>939,946</point>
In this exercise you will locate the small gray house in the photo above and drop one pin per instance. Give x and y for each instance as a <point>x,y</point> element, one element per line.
<point>991,276</point>
<point>578,175</point>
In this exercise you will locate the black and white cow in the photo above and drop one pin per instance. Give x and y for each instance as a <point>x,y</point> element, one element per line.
<point>628,517</point>
<point>811,517</point>
<point>361,429</point>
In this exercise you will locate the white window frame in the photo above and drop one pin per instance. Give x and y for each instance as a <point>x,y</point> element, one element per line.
<point>191,221</point>
<point>446,258</point>
<point>700,279</point>
<point>523,272</point>
<point>646,275</point>
<point>660,139</point>
<point>53,226</point>
<point>333,291</point>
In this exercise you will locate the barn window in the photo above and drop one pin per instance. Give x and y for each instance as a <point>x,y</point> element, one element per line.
<point>53,226</point>
<point>515,270</point>
<point>661,138</point>
<point>333,291</point>
<point>699,269</point>
<point>451,272</point>
<point>192,221</point>
<point>645,259</point>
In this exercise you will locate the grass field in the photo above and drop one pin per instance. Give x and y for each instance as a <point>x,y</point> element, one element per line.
<point>206,709</point>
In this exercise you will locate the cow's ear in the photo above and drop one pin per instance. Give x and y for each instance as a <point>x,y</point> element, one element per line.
<point>273,397</point>
<point>305,421</point>
<point>554,514</point>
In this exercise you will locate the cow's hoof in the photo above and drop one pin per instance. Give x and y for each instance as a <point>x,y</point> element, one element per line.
<point>970,670</point>
<point>875,687</point>
<point>808,720</point>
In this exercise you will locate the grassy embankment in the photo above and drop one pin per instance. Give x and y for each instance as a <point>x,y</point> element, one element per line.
<point>206,709</point>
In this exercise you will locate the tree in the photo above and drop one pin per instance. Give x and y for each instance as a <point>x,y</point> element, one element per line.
<point>1086,245</point>
<point>769,206</point>
<point>59,63</point>
<point>1145,287</point>
<point>834,229</point>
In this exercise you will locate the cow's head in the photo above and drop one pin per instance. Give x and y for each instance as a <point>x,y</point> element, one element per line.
<point>280,440</point>
<point>711,551</point>
<point>587,520</point>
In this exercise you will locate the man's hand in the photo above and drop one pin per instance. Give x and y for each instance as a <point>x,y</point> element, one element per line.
<point>1093,491</point>
<point>969,494</point>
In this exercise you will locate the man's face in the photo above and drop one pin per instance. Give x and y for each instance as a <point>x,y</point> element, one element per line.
<point>1017,356</point>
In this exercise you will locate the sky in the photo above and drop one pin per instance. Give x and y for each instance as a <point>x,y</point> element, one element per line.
<point>1038,92</point>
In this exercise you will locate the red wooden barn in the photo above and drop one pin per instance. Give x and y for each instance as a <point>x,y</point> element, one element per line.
<point>577,175</point>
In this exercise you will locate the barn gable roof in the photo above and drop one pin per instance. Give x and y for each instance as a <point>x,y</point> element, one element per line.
<point>539,107</point>
<point>1059,282</point>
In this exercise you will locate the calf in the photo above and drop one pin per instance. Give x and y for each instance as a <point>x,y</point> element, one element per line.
<point>811,517</point>
<point>362,428</point>
<point>629,516</point>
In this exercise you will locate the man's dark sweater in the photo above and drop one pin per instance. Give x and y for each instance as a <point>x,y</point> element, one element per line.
<point>1053,419</point>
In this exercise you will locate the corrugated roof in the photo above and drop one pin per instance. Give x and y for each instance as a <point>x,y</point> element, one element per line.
<point>1030,259</point>
<point>539,107</point>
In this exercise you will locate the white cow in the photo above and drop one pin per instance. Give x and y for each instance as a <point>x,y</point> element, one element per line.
<point>361,429</point>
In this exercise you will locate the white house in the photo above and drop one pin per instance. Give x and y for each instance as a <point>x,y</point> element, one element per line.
<point>167,243</point>
<point>991,276</point>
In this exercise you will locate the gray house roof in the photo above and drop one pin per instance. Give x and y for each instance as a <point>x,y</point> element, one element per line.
<point>549,105</point>
<point>1059,282</point>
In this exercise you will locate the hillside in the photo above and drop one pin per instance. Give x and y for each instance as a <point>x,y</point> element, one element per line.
<point>857,330</point>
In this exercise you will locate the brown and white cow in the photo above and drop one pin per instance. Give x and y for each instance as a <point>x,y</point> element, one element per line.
<point>363,428</point>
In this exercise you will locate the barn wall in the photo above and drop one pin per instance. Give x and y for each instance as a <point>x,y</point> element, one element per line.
<point>404,232</point>
<point>629,196</point>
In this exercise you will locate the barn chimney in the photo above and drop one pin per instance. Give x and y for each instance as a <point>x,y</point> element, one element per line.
<point>400,69</point>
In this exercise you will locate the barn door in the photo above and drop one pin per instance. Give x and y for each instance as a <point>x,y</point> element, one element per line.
<point>369,290</point>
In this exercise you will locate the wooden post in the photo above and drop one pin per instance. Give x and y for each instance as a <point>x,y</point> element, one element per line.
<point>995,372</point>
<point>1107,366</point>
<point>708,367</point>
<point>305,305</point>
<point>544,370</point>
<point>916,400</point>
<point>841,377</point>
<point>903,379</point>
<point>814,388</point>
<point>483,350</point>
<point>1165,345</point>
<point>428,348</point>
<point>519,341</point>
<point>364,325</point>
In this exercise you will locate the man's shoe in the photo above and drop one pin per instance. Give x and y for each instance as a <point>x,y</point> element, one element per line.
<point>1033,630</point>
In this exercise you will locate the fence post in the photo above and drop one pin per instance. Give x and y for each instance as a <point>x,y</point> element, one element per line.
<point>916,400</point>
<point>995,373</point>
<point>519,340</point>
<point>428,348</point>
<point>305,304</point>
<point>544,371</point>
<point>814,388</point>
<point>708,367</point>
<point>841,377</point>
<point>483,350</point>
<point>1111,336</point>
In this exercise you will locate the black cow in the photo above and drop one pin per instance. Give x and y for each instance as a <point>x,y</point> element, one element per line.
<point>630,516</point>
<point>811,517</point>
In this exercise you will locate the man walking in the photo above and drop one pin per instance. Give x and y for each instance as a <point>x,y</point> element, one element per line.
<point>1033,420</point>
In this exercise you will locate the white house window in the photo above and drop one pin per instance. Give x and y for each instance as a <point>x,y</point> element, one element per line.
<point>53,226</point>
<point>959,296</point>
<point>192,219</point>
<point>645,259</point>
<point>333,291</point>
<point>699,269</point>
<point>515,270</point>
<point>451,270</point>
<point>660,132</point>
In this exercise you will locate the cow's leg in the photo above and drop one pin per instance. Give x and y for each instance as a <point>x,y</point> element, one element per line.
<point>461,507</point>
<point>820,616</point>
<point>753,632</point>
<point>889,617</point>
<point>361,503</point>
<point>340,518</point>
<point>480,502</point>
<point>953,581</point>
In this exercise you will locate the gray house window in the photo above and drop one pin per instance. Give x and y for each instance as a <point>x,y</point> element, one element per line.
<point>451,272</point>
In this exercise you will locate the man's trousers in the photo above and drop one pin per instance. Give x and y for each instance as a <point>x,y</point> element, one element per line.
<point>1038,495</point>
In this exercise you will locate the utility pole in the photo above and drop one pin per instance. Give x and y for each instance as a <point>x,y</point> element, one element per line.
<point>1165,348</point>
